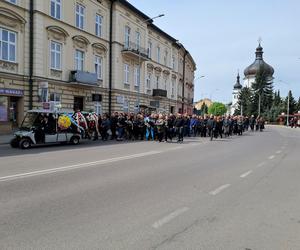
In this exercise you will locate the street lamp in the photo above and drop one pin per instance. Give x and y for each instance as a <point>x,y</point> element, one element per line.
<point>139,76</point>
<point>288,104</point>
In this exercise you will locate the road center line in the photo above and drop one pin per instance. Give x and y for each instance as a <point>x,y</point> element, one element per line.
<point>279,152</point>
<point>261,164</point>
<point>219,189</point>
<point>76,166</point>
<point>169,217</point>
<point>271,157</point>
<point>246,174</point>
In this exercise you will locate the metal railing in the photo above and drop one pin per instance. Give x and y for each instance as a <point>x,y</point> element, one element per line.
<point>135,48</point>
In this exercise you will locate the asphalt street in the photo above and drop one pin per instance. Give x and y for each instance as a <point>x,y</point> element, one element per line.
<point>241,193</point>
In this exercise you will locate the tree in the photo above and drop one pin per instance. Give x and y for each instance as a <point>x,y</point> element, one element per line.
<point>263,90</point>
<point>204,109</point>
<point>292,103</point>
<point>298,105</point>
<point>277,101</point>
<point>217,108</point>
<point>244,102</point>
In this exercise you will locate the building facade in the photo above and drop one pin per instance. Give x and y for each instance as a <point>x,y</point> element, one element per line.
<point>101,56</point>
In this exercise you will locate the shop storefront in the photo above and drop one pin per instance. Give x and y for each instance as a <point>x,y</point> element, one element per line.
<point>11,109</point>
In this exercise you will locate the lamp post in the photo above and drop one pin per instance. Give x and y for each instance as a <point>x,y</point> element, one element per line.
<point>139,75</point>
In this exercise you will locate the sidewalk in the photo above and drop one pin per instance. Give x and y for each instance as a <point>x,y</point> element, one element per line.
<point>5,139</point>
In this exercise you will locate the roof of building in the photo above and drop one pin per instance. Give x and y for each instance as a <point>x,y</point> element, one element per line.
<point>258,64</point>
<point>237,85</point>
<point>173,40</point>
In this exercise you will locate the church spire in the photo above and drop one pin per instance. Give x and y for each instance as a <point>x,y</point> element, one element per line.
<point>238,84</point>
<point>259,50</point>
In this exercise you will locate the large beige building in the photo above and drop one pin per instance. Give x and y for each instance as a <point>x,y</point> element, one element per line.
<point>95,55</point>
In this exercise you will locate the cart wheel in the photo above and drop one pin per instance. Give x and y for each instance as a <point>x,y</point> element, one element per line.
<point>74,140</point>
<point>14,143</point>
<point>25,144</point>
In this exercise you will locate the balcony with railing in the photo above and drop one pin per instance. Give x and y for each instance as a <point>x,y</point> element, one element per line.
<point>136,51</point>
<point>78,77</point>
<point>160,93</point>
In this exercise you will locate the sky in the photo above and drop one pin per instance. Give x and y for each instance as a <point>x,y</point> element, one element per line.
<point>222,36</point>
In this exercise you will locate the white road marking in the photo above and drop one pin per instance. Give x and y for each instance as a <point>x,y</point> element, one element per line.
<point>176,148</point>
<point>76,166</point>
<point>271,157</point>
<point>219,189</point>
<point>279,152</point>
<point>246,174</point>
<point>261,164</point>
<point>169,217</point>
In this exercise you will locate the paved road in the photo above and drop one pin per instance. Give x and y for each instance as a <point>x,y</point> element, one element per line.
<point>239,193</point>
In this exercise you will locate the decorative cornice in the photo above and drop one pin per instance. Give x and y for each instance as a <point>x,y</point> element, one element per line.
<point>57,33</point>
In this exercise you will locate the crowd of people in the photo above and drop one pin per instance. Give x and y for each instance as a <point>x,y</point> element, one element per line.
<point>159,127</point>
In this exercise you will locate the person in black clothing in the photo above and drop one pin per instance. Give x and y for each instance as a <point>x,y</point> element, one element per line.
<point>113,125</point>
<point>130,128</point>
<point>219,127</point>
<point>179,125</point>
<point>121,124</point>
<point>160,126</point>
<point>169,127</point>
<point>252,123</point>
<point>210,125</point>
<point>203,125</point>
<point>140,127</point>
<point>105,125</point>
<point>186,126</point>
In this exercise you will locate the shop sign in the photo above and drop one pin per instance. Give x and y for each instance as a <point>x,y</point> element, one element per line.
<point>15,92</point>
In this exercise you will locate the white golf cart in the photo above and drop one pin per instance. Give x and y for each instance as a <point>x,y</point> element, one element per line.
<point>40,127</point>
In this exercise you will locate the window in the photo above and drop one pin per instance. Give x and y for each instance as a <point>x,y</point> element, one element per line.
<point>137,40</point>
<point>98,25</point>
<point>8,48</point>
<point>158,54</point>
<point>55,55</point>
<point>137,71</point>
<point>3,108</point>
<point>80,16</point>
<point>98,67</point>
<point>127,37</point>
<point>149,49</point>
<point>55,97</point>
<point>43,92</point>
<point>173,87</point>
<point>126,105</point>
<point>173,62</point>
<point>126,73</point>
<point>166,58</point>
<point>55,9</point>
<point>157,82</point>
<point>79,60</point>
<point>148,81</point>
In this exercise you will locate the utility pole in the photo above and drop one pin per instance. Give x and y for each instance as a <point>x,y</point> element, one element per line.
<point>259,100</point>
<point>288,110</point>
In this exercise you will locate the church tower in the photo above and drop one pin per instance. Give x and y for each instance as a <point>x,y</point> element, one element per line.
<point>235,94</point>
<point>250,71</point>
